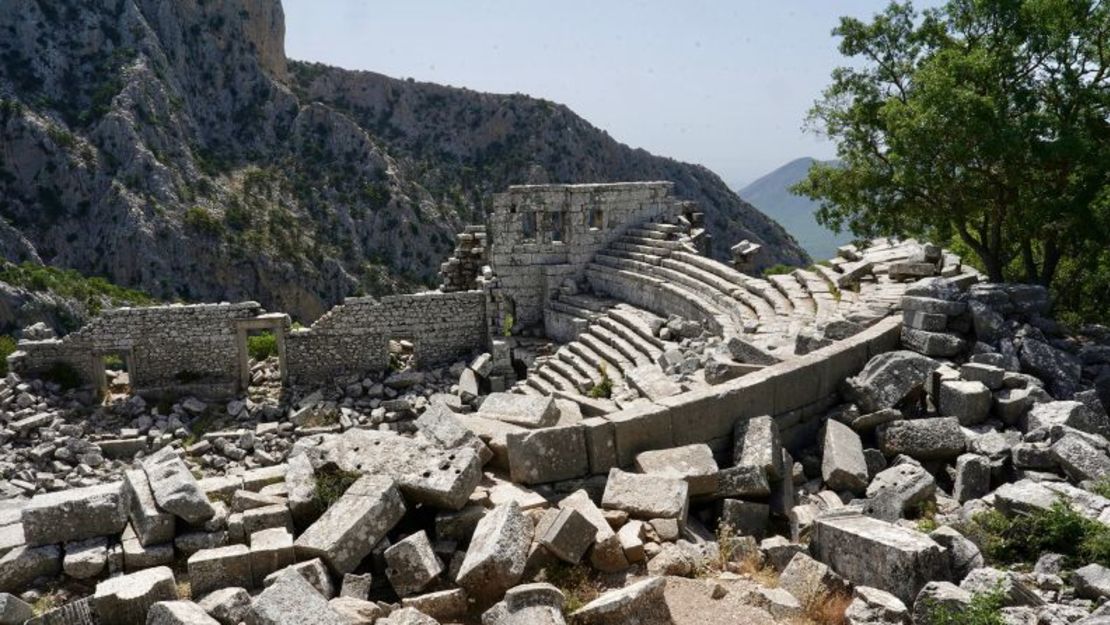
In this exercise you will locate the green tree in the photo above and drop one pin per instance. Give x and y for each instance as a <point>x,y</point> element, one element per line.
<point>984,124</point>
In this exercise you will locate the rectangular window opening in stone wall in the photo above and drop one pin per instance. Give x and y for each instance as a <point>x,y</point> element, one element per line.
<point>557,225</point>
<point>528,225</point>
<point>595,219</point>
<point>116,373</point>
<point>402,353</point>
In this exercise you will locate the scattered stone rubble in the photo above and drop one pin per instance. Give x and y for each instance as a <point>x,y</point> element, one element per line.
<point>847,473</point>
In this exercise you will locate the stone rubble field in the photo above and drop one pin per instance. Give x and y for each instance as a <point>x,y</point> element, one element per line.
<point>968,470</point>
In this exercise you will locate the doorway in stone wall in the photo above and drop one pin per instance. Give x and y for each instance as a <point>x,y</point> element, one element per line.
<point>264,363</point>
<point>116,372</point>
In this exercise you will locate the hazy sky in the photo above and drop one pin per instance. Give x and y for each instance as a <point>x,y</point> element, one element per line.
<point>724,83</point>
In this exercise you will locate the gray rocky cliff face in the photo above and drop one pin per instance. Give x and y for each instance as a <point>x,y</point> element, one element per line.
<point>172,147</point>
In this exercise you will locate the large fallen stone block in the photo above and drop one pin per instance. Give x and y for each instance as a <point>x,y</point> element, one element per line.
<point>411,564</point>
<point>640,426</point>
<point>743,482</point>
<point>271,550</point>
<point>350,528</point>
<point>314,571</point>
<point>939,597</point>
<point>1079,459</point>
<point>646,496</point>
<point>300,489</point>
<point>497,554</point>
<point>567,534</point>
<point>444,605</point>
<point>85,558</point>
<point>809,580</point>
<point>747,518</point>
<point>692,463</point>
<point>212,569</point>
<point>1092,582</point>
<point>439,424</point>
<point>530,411</point>
<point>897,490</point>
<point>152,526</point>
<point>938,438</point>
<point>757,444</point>
<point>973,478</point>
<point>227,605</point>
<point>607,553</point>
<point>1009,585</point>
<point>843,466</point>
<point>75,514</point>
<point>125,600</point>
<point>357,611</point>
<point>548,455</point>
<point>888,378</point>
<point>175,489</point>
<point>870,552</point>
<point>871,606</point>
<point>528,604</point>
<point>968,401</point>
<point>963,555</point>
<point>20,566</point>
<point>178,613</point>
<point>641,603</point>
<point>13,610</point>
<point>291,600</point>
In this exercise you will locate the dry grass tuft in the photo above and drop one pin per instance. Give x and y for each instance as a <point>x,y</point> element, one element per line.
<point>828,609</point>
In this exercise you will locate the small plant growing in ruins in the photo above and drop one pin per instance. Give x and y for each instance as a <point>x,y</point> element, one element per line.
<point>507,324</point>
<point>927,516</point>
<point>578,582</point>
<point>603,389</point>
<point>984,609</point>
<point>331,483</point>
<point>777,270</point>
<point>1024,537</point>
<point>1101,487</point>
<point>7,347</point>
<point>261,346</point>
<point>828,608</point>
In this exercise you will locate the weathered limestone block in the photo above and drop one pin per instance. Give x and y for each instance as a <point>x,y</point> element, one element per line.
<point>888,378</point>
<point>13,610</point>
<point>528,604</point>
<point>973,477</point>
<point>227,605</point>
<point>357,611</point>
<point>314,571</point>
<point>743,482</point>
<point>548,455</point>
<point>125,600</point>
<point>300,486</point>
<point>530,411</point>
<point>266,517</point>
<point>940,344</point>
<point>640,426</point>
<point>968,401</point>
<point>20,566</point>
<point>407,616</point>
<point>646,496</point>
<point>641,603</point>
<point>175,489</point>
<point>810,580</point>
<point>356,585</point>
<point>86,558</point>
<point>75,514</point>
<point>990,376</point>
<point>1092,582</point>
<point>438,423</point>
<point>567,534</point>
<point>212,569</point>
<point>871,606</point>
<point>178,613</point>
<point>271,550</point>
<point>963,555</point>
<point>151,525</point>
<point>607,553</point>
<point>347,532</point>
<point>870,552</point>
<point>1014,591</point>
<point>497,554</point>
<point>757,444</point>
<point>411,564</point>
<point>692,463</point>
<point>291,600</point>
<point>1079,459</point>
<point>747,518</point>
<point>843,466</point>
<point>937,596</point>
<point>445,605</point>
<point>897,490</point>
<point>937,438</point>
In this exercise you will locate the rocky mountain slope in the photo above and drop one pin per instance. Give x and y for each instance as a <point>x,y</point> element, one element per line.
<point>771,195</point>
<point>172,147</point>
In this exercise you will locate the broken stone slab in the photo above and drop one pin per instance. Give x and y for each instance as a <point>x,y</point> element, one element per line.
<point>174,487</point>
<point>935,438</point>
<point>266,517</point>
<point>742,482</point>
<point>178,613</point>
<point>567,534</point>
<point>20,566</point>
<point>758,444</point>
<point>498,551</point>
<point>745,352</point>
<point>1079,459</point>
<point>989,375</point>
<point>300,485</point>
<point>530,411</point>
<point>1060,371</point>
<point>870,552</point>
<point>641,603</point>
<point>631,536</point>
<point>897,490</point>
<point>548,455</point>
<point>291,600</point>
<point>747,518</point>
<point>227,605</point>
<point>888,378</point>
<point>407,616</point>
<point>152,526</point>
<point>357,611</point>
<point>212,569</point>
<point>810,580</point>
<point>13,610</point>
<point>963,555</point>
<point>939,596</point>
<point>607,554</point>
<point>314,571</point>
<point>973,478</point>
<point>1092,582</point>
<point>411,564</point>
<point>350,528</point>
<point>86,558</point>
<point>843,465</point>
<point>872,606</point>
<point>528,604</point>
<point>1009,585</point>
<point>444,605</point>
<point>646,496</point>
<point>968,401</point>
<point>271,550</point>
<point>125,600</point>
<point>439,424</point>
<point>75,514</point>
<point>356,586</point>
<point>692,463</point>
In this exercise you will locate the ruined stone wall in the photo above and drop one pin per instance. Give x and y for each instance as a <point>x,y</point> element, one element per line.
<point>164,346</point>
<point>353,337</point>
<point>543,234</point>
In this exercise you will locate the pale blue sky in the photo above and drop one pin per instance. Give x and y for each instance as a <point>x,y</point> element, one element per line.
<point>724,83</point>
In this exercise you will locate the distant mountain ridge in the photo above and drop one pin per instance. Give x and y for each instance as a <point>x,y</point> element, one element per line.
<point>771,195</point>
<point>171,146</point>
